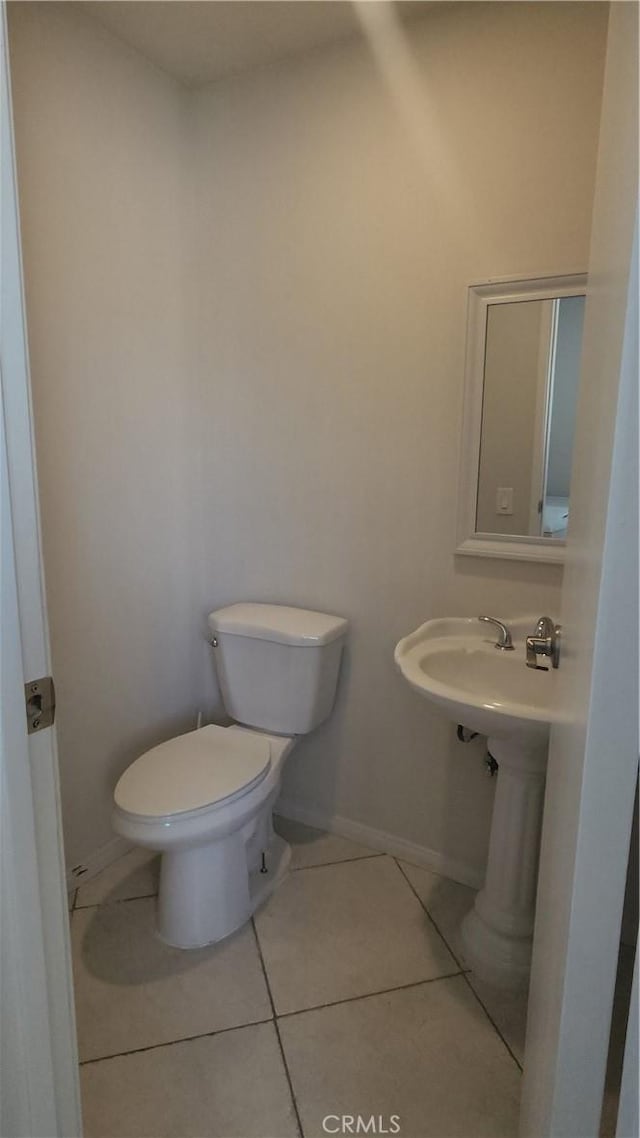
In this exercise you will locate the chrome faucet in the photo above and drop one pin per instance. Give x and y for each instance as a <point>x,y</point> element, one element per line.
<point>544,642</point>
<point>504,642</point>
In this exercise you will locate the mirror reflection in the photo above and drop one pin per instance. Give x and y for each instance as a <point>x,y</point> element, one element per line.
<point>530,384</point>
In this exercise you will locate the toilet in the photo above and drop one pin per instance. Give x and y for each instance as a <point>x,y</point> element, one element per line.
<point>204,800</point>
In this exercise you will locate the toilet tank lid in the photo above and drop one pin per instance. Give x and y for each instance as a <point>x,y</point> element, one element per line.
<point>281,623</point>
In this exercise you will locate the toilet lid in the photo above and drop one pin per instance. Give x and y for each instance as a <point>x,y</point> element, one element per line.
<point>192,771</point>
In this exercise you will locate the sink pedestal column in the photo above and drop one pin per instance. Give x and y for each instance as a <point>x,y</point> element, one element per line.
<point>497,933</point>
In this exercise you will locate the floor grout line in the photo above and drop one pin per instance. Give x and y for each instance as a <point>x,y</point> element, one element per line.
<point>340,861</point>
<point>294,1101</point>
<point>424,907</point>
<point>144,896</point>
<point>115,901</point>
<point>493,1023</point>
<point>369,995</point>
<point>173,1042</point>
<point>463,970</point>
<point>274,1017</point>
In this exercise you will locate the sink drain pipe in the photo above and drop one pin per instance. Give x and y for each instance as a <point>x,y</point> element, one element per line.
<point>465,735</point>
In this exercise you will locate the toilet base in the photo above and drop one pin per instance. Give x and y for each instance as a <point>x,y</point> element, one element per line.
<point>278,860</point>
<point>206,893</point>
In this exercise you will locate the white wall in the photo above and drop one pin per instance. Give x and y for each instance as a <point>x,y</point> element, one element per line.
<point>101,155</point>
<point>336,241</point>
<point>336,231</point>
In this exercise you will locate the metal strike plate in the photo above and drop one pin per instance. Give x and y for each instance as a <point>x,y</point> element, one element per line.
<point>40,703</point>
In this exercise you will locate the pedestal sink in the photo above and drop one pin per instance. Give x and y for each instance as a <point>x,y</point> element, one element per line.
<point>455,664</point>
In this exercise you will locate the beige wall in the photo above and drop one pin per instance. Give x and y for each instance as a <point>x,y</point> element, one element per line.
<point>101,155</point>
<point>336,241</point>
<point>316,463</point>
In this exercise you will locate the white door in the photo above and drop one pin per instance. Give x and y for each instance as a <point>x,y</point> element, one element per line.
<point>593,753</point>
<point>38,1069</point>
<point>590,792</point>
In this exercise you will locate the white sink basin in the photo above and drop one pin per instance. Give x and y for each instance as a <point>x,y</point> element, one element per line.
<point>455,663</point>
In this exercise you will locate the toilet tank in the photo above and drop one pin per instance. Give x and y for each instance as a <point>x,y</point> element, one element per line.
<point>277,666</point>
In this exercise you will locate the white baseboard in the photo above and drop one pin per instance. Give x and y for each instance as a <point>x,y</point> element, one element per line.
<point>98,861</point>
<point>380,840</point>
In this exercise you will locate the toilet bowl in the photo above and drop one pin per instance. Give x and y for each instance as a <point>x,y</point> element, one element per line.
<point>204,800</point>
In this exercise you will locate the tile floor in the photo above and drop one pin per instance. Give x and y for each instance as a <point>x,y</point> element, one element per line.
<point>348,994</point>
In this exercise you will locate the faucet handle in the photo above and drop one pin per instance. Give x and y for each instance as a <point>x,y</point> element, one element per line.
<point>545,627</point>
<point>544,642</point>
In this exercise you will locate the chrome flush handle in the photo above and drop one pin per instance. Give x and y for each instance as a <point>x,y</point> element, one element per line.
<point>504,642</point>
<point>545,642</point>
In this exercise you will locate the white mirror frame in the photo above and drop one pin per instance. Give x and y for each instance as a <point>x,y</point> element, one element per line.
<point>470,543</point>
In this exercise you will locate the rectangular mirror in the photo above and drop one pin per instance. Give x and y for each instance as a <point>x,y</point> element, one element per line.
<point>524,341</point>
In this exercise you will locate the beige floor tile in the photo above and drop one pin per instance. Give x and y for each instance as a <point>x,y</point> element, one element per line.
<point>427,1054</point>
<point>134,875</point>
<point>226,1086</point>
<point>345,930</point>
<point>134,991</point>
<point>446,901</point>
<point>314,847</point>
<point>508,1010</point>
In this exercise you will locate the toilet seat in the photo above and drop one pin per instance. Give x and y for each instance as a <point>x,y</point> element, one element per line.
<point>193,772</point>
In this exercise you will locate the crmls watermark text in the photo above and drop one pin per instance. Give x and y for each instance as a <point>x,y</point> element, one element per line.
<point>361,1124</point>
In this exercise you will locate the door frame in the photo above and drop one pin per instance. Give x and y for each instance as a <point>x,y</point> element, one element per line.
<point>37,995</point>
<point>590,798</point>
<point>593,754</point>
<point>40,1085</point>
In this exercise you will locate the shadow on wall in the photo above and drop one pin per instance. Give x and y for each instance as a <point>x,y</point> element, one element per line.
<point>469,794</point>
<point>415,768</point>
<point>326,747</point>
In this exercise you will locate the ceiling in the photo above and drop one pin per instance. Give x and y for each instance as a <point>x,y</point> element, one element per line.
<point>199,42</point>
